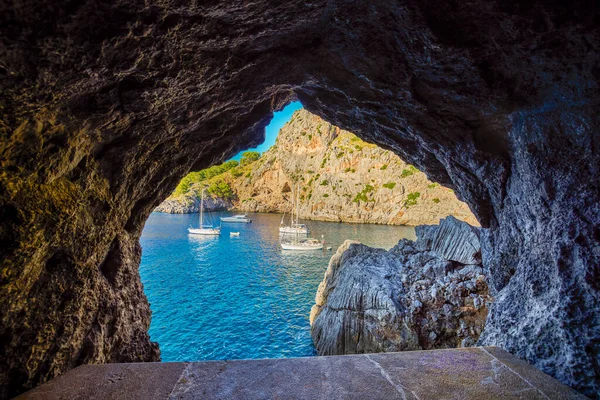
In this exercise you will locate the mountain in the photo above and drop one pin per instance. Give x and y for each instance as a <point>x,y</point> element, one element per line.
<point>341,178</point>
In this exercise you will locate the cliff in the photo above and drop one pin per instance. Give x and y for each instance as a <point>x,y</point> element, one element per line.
<point>416,296</point>
<point>341,177</point>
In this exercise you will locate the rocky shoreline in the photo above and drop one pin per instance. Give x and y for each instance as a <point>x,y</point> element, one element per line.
<point>428,294</point>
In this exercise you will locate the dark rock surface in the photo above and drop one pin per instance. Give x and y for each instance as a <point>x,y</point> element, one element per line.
<point>408,298</point>
<point>105,106</point>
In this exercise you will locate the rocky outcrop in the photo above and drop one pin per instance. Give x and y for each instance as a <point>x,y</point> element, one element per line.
<point>191,204</point>
<point>105,106</point>
<point>458,242</point>
<point>407,298</point>
<point>342,179</point>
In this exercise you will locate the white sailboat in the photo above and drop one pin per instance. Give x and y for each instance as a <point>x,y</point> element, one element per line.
<point>294,227</point>
<point>204,229</point>
<point>291,239</point>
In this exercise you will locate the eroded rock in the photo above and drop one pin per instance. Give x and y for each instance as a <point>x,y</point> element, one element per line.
<point>373,300</point>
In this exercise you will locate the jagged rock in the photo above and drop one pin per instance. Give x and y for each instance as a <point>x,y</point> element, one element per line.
<point>373,300</point>
<point>333,167</point>
<point>105,106</point>
<point>457,241</point>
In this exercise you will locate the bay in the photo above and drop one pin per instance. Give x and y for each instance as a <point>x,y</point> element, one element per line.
<point>238,297</point>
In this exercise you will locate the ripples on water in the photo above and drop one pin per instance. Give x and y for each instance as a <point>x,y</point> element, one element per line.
<point>241,297</point>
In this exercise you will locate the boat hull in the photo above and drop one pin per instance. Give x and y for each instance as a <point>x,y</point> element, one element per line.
<point>245,221</point>
<point>205,231</point>
<point>288,230</point>
<point>299,247</point>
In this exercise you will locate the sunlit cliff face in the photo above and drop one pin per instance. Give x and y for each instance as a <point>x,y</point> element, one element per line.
<point>105,107</point>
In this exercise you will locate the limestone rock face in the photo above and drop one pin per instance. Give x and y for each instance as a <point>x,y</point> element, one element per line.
<point>191,204</point>
<point>105,106</point>
<point>456,241</point>
<point>342,179</point>
<point>373,300</point>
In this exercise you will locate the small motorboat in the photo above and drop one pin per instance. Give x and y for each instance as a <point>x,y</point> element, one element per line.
<point>234,234</point>
<point>237,218</point>
<point>329,248</point>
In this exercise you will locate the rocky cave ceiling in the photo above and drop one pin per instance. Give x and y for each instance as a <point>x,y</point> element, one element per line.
<point>105,106</point>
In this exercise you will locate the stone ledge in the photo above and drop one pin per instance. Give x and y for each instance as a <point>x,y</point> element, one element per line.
<point>468,373</point>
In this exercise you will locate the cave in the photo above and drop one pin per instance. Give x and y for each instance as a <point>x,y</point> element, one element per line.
<point>105,107</point>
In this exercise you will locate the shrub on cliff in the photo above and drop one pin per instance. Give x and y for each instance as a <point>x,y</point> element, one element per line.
<point>408,171</point>
<point>249,157</point>
<point>221,189</point>
<point>411,199</point>
<point>199,176</point>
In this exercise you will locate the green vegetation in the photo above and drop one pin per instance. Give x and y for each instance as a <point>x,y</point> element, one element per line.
<point>249,174</point>
<point>433,185</point>
<point>389,185</point>
<point>249,157</point>
<point>363,195</point>
<point>350,170</point>
<point>236,173</point>
<point>357,147</point>
<point>325,195</point>
<point>324,162</point>
<point>436,200</point>
<point>354,139</point>
<point>310,138</point>
<point>383,167</point>
<point>221,189</point>
<point>411,199</point>
<point>408,171</point>
<point>199,176</point>
<point>340,154</point>
<point>325,183</point>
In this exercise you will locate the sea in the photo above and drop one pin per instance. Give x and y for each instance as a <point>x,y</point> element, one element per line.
<point>222,297</point>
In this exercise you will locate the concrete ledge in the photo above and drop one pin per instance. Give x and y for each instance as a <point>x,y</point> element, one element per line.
<point>472,373</point>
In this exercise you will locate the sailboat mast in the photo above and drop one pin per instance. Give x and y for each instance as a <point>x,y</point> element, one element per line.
<point>292,215</point>
<point>297,203</point>
<point>201,207</point>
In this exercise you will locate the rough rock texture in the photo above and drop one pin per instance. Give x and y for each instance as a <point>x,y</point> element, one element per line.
<point>456,241</point>
<point>191,204</point>
<point>341,178</point>
<point>105,106</point>
<point>373,300</point>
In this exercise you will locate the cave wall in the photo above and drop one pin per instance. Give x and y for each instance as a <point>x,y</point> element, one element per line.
<point>106,106</point>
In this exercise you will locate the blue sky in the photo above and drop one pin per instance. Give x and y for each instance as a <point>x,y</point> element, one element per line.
<point>279,119</point>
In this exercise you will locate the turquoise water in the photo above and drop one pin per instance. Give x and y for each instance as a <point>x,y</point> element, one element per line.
<point>230,298</point>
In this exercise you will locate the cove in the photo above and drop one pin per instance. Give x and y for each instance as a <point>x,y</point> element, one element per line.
<point>238,298</point>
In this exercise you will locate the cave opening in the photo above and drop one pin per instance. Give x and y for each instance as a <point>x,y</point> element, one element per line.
<point>104,108</point>
<point>236,294</point>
